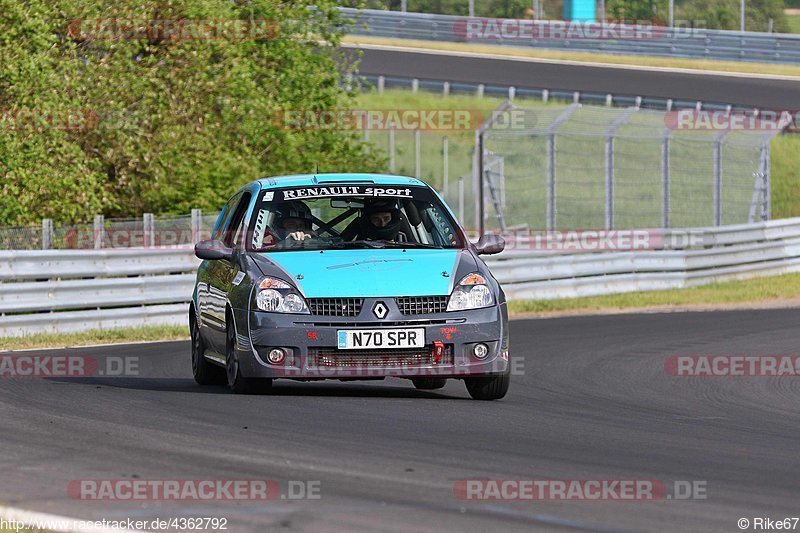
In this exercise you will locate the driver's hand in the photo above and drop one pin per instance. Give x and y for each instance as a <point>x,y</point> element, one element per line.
<point>299,236</point>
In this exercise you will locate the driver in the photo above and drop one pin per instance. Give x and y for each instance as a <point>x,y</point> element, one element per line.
<point>381,221</point>
<point>293,221</point>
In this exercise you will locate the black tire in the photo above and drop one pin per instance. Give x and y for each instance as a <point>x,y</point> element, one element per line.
<point>491,388</point>
<point>429,383</point>
<point>236,383</point>
<point>204,371</point>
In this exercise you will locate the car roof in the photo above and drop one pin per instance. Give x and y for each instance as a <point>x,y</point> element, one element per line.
<point>323,179</point>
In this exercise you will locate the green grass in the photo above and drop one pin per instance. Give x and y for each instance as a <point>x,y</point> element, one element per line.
<point>794,23</point>
<point>106,336</point>
<point>728,292</point>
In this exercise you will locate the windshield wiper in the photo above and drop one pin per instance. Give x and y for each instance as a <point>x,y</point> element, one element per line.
<point>393,244</point>
<point>359,244</point>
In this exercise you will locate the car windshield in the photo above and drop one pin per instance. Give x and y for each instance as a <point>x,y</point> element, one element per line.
<point>351,217</point>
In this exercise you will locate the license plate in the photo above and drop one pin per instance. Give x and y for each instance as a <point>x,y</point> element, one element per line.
<point>365,339</point>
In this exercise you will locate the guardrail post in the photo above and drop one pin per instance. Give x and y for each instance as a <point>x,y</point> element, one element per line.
<point>47,233</point>
<point>149,230</point>
<point>414,85</point>
<point>446,88</point>
<point>512,92</point>
<point>197,225</point>
<point>99,231</point>
<point>381,84</point>
<point>545,95</point>
<point>481,88</point>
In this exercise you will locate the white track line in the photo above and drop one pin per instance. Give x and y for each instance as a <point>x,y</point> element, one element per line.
<point>53,522</point>
<point>522,59</point>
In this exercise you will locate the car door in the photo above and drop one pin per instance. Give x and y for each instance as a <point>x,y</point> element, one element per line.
<point>222,272</point>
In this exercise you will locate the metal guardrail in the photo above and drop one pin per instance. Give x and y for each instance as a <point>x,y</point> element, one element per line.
<point>65,291</point>
<point>673,42</point>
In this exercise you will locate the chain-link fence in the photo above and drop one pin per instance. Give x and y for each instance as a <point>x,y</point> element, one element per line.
<point>148,231</point>
<point>585,167</point>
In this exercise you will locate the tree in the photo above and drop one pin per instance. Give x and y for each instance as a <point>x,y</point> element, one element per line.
<point>162,124</point>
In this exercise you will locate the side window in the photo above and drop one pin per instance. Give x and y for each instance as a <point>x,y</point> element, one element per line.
<point>235,227</point>
<point>224,217</point>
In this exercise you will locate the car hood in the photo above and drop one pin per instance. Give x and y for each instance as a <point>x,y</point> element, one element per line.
<point>367,273</point>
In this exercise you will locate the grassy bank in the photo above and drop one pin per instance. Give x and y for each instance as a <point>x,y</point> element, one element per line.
<point>752,291</point>
<point>106,336</point>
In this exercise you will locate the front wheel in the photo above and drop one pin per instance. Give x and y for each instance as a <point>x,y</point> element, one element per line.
<point>236,383</point>
<point>489,388</point>
<point>204,372</point>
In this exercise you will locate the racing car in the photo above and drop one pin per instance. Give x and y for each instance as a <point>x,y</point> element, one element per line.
<point>349,277</point>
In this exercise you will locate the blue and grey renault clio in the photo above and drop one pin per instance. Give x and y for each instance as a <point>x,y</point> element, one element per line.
<point>346,276</point>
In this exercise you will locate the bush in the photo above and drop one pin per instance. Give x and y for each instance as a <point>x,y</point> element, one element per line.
<point>160,125</point>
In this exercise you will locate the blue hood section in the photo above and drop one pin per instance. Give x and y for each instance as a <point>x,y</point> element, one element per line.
<point>370,273</point>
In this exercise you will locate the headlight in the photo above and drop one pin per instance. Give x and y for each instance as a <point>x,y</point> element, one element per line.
<point>472,292</point>
<point>276,296</point>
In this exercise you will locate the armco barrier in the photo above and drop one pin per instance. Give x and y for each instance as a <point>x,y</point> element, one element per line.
<point>673,42</point>
<point>67,291</point>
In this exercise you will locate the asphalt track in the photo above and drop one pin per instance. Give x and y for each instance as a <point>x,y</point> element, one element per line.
<point>590,400</point>
<point>779,94</point>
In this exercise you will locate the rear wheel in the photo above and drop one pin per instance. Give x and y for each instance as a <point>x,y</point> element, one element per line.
<point>237,383</point>
<point>204,371</point>
<point>429,383</point>
<point>488,388</point>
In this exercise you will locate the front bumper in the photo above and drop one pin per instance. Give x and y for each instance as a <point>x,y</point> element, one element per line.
<point>311,344</point>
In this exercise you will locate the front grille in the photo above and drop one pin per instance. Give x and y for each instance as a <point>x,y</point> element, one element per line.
<point>335,306</point>
<point>397,358</point>
<point>422,305</point>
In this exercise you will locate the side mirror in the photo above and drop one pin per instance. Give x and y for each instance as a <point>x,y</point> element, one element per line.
<point>490,244</point>
<point>212,250</point>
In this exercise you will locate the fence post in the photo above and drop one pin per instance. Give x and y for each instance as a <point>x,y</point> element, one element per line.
<point>609,163</point>
<point>461,200</point>
<point>766,210</point>
<point>47,233</point>
<point>550,166</point>
<point>717,192</point>
<point>149,230</point>
<point>665,178</point>
<point>445,165</point>
<point>197,225</point>
<point>99,231</point>
<point>417,154</point>
<point>391,150</point>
